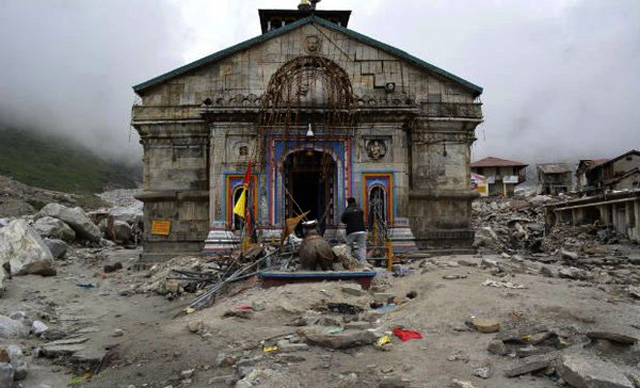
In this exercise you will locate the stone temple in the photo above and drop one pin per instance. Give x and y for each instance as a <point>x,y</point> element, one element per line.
<point>322,113</point>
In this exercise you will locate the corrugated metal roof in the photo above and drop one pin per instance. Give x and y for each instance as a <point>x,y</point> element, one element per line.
<point>139,89</point>
<point>497,162</point>
<point>596,162</point>
<point>554,168</point>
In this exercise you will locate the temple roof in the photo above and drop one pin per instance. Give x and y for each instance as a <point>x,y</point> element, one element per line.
<point>142,87</point>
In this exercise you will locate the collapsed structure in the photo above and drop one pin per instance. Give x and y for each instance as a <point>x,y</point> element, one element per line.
<point>322,113</point>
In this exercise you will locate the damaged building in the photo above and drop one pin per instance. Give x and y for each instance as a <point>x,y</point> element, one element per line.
<point>322,113</point>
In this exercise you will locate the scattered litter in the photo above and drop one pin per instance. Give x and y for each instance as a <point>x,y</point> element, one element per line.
<point>499,284</point>
<point>344,308</point>
<point>406,335</point>
<point>384,340</point>
<point>386,308</point>
<point>454,277</point>
<point>86,286</point>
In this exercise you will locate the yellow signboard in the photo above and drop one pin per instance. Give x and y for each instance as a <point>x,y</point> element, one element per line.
<point>161,227</point>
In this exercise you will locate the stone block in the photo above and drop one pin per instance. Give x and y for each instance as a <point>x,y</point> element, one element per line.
<point>486,325</point>
<point>585,371</point>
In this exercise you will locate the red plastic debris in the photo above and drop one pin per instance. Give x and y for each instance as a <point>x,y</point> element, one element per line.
<point>406,335</point>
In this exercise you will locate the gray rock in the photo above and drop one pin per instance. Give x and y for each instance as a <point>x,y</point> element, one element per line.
<point>286,347</point>
<point>346,339</point>
<point>122,231</point>
<point>6,375</point>
<point>572,273</point>
<point>545,271</point>
<point>130,215</point>
<point>497,347</point>
<point>38,328</point>
<point>530,364</point>
<point>18,316</point>
<point>483,372</point>
<point>76,218</point>
<point>10,328</point>
<point>53,335</point>
<point>25,251</point>
<point>612,336</point>
<point>485,237</point>
<point>64,347</point>
<point>54,228</point>
<point>58,248</point>
<point>353,289</point>
<point>18,362</point>
<point>568,255</point>
<point>584,371</point>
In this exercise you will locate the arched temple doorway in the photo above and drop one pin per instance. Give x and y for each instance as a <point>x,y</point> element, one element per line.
<point>309,184</point>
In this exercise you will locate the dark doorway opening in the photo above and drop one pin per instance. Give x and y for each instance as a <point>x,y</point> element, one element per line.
<point>309,180</point>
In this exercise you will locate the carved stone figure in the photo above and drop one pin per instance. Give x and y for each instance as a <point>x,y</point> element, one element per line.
<point>376,149</point>
<point>312,43</point>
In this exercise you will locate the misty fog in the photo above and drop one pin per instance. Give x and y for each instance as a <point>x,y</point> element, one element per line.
<point>560,78</point>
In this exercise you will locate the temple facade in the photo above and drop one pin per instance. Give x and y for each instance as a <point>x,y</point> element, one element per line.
<point>321,113</point>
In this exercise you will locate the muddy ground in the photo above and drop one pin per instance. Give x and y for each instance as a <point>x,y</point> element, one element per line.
<point>148,346</point>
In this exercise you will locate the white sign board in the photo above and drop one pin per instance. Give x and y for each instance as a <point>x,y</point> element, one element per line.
<point>510,179</point>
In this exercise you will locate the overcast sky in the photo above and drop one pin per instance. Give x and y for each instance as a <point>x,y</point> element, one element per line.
<point>561,77</point>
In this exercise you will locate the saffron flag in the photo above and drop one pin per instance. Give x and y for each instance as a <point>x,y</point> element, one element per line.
<point>241,205</point>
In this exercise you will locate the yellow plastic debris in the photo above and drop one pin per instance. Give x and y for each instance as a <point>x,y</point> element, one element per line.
<point>269,349</point>
<point>190,310</point>
<point>384,340</point>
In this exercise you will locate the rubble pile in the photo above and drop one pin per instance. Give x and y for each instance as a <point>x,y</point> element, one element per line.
<point>567,356</point>
<point>593,253</point>
<point>510,225</point>
<point>517,225</point>
<point>35,245</point>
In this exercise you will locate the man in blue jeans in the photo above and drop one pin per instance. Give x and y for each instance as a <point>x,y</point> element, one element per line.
<point>353,217</point>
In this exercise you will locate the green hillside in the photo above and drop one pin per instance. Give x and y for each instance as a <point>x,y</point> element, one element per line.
<point>61,164</point>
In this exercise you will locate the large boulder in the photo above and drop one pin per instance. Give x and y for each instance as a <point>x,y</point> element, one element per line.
<point>58,248</point>
<point>6,374</point>
<point>17,362</point>
<point>11,328</point>
<point>122,231</point>
<point>75,218</point>
<point>119,231</point>
<point>54,228</point>
<point>131,215</point>
<point>24,251</point>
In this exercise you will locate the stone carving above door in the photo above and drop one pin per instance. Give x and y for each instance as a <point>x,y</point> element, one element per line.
<point>312,44</point>
<point>376,149</point>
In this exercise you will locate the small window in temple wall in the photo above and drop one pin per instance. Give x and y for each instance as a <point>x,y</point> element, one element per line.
<point>238,222</point>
